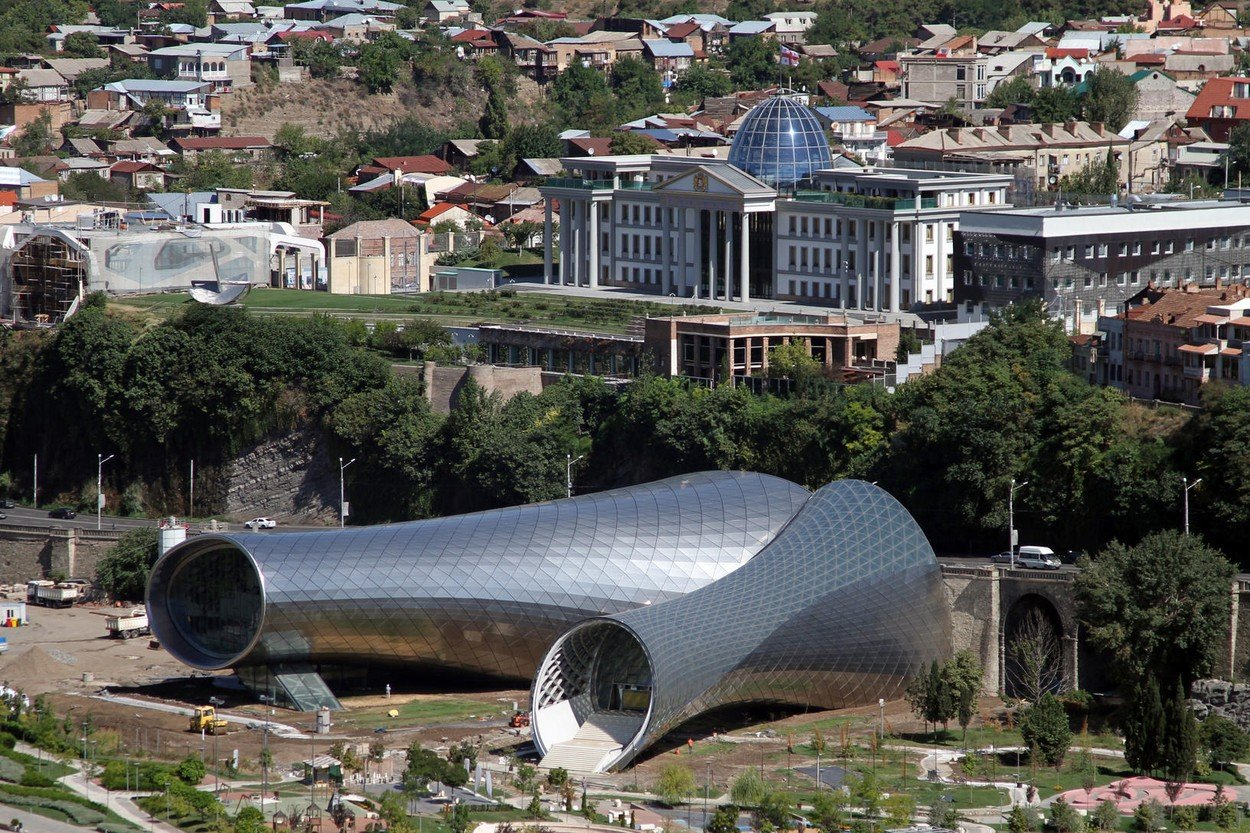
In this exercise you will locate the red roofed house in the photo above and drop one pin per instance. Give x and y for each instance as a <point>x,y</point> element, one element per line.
<point>1222,104</point>
<point>589,146</point>
<point>140,176</point>
<point>1054,52</point>
<point>444,212</point>
<point>886,72</point>
<point>397,166</point>
<point>476,43</point>
<point>254,147</point>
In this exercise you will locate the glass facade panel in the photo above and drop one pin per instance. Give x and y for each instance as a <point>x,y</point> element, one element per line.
<point>780,142</point>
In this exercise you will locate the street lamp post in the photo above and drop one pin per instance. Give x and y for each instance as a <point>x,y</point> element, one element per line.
<point>342,491</point>
<point>1185,482</point>
<point>881,706</point>
<point>568,473</point>
<point>1011,517</point>
<point>99,488</point>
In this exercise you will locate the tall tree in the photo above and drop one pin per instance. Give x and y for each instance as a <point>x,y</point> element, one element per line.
<point>1159,609</point>
<point>1180,749</point>
<point>1110,97</point>
<point>1045,730</point>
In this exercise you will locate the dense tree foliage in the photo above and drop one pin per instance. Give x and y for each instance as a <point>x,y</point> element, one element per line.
<point>209,382</point>
<point>1045,730</point>
<point>1157,608</point>
<point>123,571</point>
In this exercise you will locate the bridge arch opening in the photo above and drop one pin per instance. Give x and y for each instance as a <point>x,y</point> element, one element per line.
<point>1033,653</point>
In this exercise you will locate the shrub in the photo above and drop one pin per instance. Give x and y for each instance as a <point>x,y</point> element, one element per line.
<point>31,778</point>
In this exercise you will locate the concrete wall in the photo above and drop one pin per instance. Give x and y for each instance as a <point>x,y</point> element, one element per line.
<point>31,552</point>
<point>443,384</point>
<point>972,595</point>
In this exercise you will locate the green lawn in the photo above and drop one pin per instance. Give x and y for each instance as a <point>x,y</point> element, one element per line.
<point>426,711</point>
<point>505,306</point>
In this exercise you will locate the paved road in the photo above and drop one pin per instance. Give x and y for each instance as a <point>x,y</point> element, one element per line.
<point>24,516</point>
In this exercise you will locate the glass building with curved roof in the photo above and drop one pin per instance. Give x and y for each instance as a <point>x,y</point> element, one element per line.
<point>780,142</point>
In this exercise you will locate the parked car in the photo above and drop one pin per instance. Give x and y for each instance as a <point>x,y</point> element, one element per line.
<point>5,503</point>
<point>64,513</point>
<point>1001,558</point>
<point>261,523</point>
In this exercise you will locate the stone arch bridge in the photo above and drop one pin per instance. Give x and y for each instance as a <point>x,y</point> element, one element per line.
<point>991,606</point>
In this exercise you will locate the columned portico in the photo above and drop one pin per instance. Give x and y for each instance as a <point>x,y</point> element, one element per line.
<point>547,227</point>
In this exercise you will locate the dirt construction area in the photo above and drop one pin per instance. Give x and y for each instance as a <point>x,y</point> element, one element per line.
<point>141,696</point>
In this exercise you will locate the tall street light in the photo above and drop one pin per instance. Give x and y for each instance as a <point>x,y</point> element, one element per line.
<point>1011,524</point>
<point>342,491</point>
<point>568,473</point>
<point>100,460</point>
<point>1185,482</point>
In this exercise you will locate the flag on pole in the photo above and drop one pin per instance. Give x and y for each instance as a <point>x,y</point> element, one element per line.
<point>789,58</point>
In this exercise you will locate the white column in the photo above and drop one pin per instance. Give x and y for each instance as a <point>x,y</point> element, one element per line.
<point>861,263</point>
<point>744,265</point>
<point>711,254</point>
<point>728,269</point>
<point>547,240</point>
<point>879,256</point>
<point>666,252</point>
<point>894,266</point>
<point>679,273</point>
<point>566,241</point>
<point>576,249</point>
<point>593,261</point>
<point>698,251</point>
<point>939,263</point>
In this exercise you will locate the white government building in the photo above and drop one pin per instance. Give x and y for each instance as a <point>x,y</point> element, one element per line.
<point>775,220</point>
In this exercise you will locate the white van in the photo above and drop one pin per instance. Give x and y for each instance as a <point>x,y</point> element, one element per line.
<point>1037,558</point>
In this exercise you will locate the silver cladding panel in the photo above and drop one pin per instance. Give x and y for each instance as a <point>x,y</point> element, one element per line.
<point>489,592</point>
<point>843,607</point>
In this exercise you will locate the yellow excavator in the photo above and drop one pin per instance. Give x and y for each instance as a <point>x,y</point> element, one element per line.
<point>205,719</point>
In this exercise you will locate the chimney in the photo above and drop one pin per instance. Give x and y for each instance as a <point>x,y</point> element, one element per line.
<point>1097,127</point>
<point>979,133</point>
<point>1049,130</point>
<point>1004,131</point>
<point>952,133</point>
<point>1070,126</point>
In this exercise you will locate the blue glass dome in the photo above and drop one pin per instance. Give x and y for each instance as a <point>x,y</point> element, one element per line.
<point>780,142</point>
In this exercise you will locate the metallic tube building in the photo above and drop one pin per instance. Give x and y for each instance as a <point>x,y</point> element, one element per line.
<point>484,593</point>
<point>843,607</point>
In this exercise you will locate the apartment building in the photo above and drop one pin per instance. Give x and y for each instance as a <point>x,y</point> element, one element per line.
<point>1047,152</point>
<point>1175,341</point>
<point>938,78</point>
<point>877,238</point>
<point>1089,261</point>
<point>226,66</point>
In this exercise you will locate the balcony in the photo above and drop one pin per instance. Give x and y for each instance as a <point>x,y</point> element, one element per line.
<point>1199,372</point>
<point>864,200</point>
<point>580,184</point>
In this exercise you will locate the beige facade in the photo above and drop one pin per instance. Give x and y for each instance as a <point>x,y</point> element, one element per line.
<point>378,257</point>
<point>704,346</point>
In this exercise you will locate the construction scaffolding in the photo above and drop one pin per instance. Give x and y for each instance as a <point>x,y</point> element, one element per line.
<point>49,272</point>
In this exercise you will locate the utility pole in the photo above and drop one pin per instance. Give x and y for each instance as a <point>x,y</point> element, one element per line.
<point>568,473</point>
<point>191,493</point>
<point>99,487</point>
<point>342,491</point>
<point>1011,524</point>
<point>1185,482</point>
<point>34,498</point>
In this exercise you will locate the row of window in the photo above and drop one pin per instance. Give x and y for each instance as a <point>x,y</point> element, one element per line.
<point>1137,247</point>
<point>999,251</point>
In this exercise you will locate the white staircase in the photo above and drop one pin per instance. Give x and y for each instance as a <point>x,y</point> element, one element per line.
<point>602,734</point>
